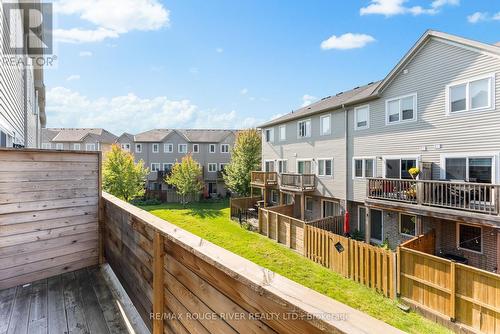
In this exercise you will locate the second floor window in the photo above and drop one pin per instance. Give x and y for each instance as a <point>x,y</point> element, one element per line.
<point>224,148</point>
<point>76,147</point>
<point>364,167</point>
<point>222,167</point>
<point>46,146</point>
<point>325,125</point>
<point>283,133</point>
<point>138,148</point>
<point>212,167</point>
<point>90,147</point>
<point>362,117</point>
<point>183,148</point>
<point>470,95</point>
<point>398,168</point>
<point>304,128</point>
<point>168,148</point>
<point>125,147</point>
<point>60,146</point>
<point>269,135</point>
<point>156,148</point>
<point>282,166</point>
<point>269,166</point>
<point>167,167</point>
<point>155,166</point>
<point>196,148</point>
<point>325,167</point>
<point>211,148</point>
<point>401,109</point>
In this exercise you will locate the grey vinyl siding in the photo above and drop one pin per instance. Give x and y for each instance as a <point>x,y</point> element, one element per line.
<point>437,65</point>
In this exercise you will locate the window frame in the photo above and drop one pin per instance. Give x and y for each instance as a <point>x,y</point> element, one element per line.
<point>224,145</point>
<point>321,125</point>
<point>278,161</point>
<point>282,127</point>
<point>59,146</point>
<point>182,145</point>
<point>400,98</point>
<point>168,163</point>
<point>467,82</point>
<point>212,164</point>
<point>155,163</point>
<point>417,159</point>
<point>308,135</point>
<point>317,167</point>
<point>265,163</point>
<point>363,168</point>
<point>271,135</point>
<point>210,148</point>
<point>458,238</point>
<point>273,191</point>
<point>222,165</point>
<point>356,109</point>
<point>197,150</point>
<point>312,203</point>
<point>88,144</point>
<point>467,155</point>
<point>415,222</point>
<point>297,161</point>
<point>46,146</point>
<point>323,201</point>
<point>157,145</point>
<point>168,148</point>
<point>138,146</point>
<point>75,146</point>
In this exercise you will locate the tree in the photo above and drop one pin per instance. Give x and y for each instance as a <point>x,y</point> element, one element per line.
<point>245,158</point>
<point>123,177</point>
<point>186,177</point>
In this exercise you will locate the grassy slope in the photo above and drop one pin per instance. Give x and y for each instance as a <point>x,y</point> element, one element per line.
<point>210,221</point>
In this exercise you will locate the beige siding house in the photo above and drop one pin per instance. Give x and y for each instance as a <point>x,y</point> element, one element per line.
<point>437,110</point>
<point>77,139</point>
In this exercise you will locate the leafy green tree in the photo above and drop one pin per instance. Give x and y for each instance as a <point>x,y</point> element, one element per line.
<point>186,177</point>
<point>245,158</point>
<point>123,177</point>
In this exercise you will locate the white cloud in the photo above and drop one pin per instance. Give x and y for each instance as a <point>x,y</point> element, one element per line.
<point>397,7</point>
<point>307,100</point>
<point>496,16</point>
<point>347,41</point>
<point>219,50</point>
<point>131,113</point>
<point>111,17</point>
<point>483,16</point>
<point>76,35</point>
<point>73,77</point>
<point>244,91</point>
<point>86,54</point>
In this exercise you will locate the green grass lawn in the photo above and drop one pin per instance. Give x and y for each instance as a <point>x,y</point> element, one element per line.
<point>210,221</point>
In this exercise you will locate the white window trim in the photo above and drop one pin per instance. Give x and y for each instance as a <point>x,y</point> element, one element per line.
<point>300,160</point>
<point>197,148</point>
<point>323,205</point>
<point>376,241</point>
<point>87,145</point>
<point>400,157</point>
<point>492,97</point>
<point>179,148</point>
<point>166,147</point>
<point>359,215</point>
<point>298,128</point>
<point>354,177</point>
<point>282,127</point>
<point>222,164</point>
<point>77,145</point>
<point>210,148</point>
<point>273,191</point>
<point>415,112</point>
<point>59,146</point>
<point>138,146</point>
<point>221,151</point>
<point>278,167</point>
<point>367,126</point>
<point>155,163</point>
<point>399,223</point>
<point>271,135</point>
<point>466,249</point>
<point>212,164</point>
<point>264,165</point>
<point>153,148</point>
<point>168,163</point>
<point>321,125</point>
<point>123,146</point>
<point>494,165</point>
<point>317,168</point>
<point>46,146</point>
<point>305,203</point>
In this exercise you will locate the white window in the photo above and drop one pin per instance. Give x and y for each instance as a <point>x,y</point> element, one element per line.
<point>167,167</point>
<point>362,117</point>
<point>330,208</point>
<point>76,147</point>
<point>168,148</point>
<point>401,109</point>
<point>138,148</point>
<point>212,167</point>
<point>469,237</point>
<point>125,147</point>
<point>407,225</point>
<point>325,125</point>
<point>304,128</point>
<point>59,146</point>
<point>469,95</point>
<point>398,168</point>
<point>90,147</point>
<point>282,166</point>
<point>212,148</point>
<point>155,166</point>
<point>182,148</point>
<point>309,203</point>
<point>363,167</point>
<point>325,167</point>
<point>224,148</point>
<point>196,148</point>
<point>222,166</point>
<point>274,196</point>
<point>478,167</point>
<point>46,146</point>
<point>269,166</point>
<point>269,135</point>
<point>156,148</point>
<point>282,132</point>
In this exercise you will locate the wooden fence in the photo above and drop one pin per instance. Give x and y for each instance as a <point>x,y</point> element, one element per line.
<point>332,224</point>
<point>278,224</point>
<point>195,286</point>
<point>457,292</point>
<point>170,196</point>
<point>370,265</point>
<point>48,213</point>
<point>242,204</point>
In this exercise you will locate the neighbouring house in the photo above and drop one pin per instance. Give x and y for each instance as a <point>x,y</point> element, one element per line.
<point>22,92</point>
<point>77,139</point>
<point>438,110</point>
<point>160,149</point>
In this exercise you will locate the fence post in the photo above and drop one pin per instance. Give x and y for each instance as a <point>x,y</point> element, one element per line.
<point>305,248</point>
<point>394,273</point>
<point>398,271</point>
<point>259,218</point>
<point>278,227</point>
<point>158,290</point>
<point>452,291</point>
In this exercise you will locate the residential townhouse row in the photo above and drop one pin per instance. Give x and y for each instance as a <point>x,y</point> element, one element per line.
<point>22,90</point>
<point>78,139</point>
<point>437,110</point>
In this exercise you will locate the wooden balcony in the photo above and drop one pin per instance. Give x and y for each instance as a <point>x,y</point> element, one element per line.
<point>480,198</point>
<point>298,182</point>
<point>264,179</point>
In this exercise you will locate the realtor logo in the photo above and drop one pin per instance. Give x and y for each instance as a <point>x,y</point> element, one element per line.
<point>29,28</point>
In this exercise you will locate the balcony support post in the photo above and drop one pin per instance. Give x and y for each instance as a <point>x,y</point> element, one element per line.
<point>281,198</point>
<point>158,278</point>
<point>302,206</point>
<point>368,225</point>
<point>265,196</point>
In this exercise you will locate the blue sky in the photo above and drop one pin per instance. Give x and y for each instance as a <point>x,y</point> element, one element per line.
<point>132,65</point>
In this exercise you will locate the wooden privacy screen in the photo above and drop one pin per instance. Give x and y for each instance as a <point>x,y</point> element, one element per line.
<point>48,213</point>
<point>277,224</point>
<point>202,288</point>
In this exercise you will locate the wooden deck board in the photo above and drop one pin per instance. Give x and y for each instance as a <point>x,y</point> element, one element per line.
<point>73,302</point>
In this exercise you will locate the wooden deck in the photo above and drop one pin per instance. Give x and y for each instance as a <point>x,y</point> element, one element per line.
<point>74,302</point>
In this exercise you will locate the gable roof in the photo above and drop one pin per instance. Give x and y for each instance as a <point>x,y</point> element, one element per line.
<point>154,135</point>
<point>205,136</point>
<point>125,135</point>
<point>77,134</point>
<point>374,90</point>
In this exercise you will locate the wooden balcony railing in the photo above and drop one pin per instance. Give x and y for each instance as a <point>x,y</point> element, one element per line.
<point>300,182</point>
<point>264,178</point>
<point>476,197</point>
